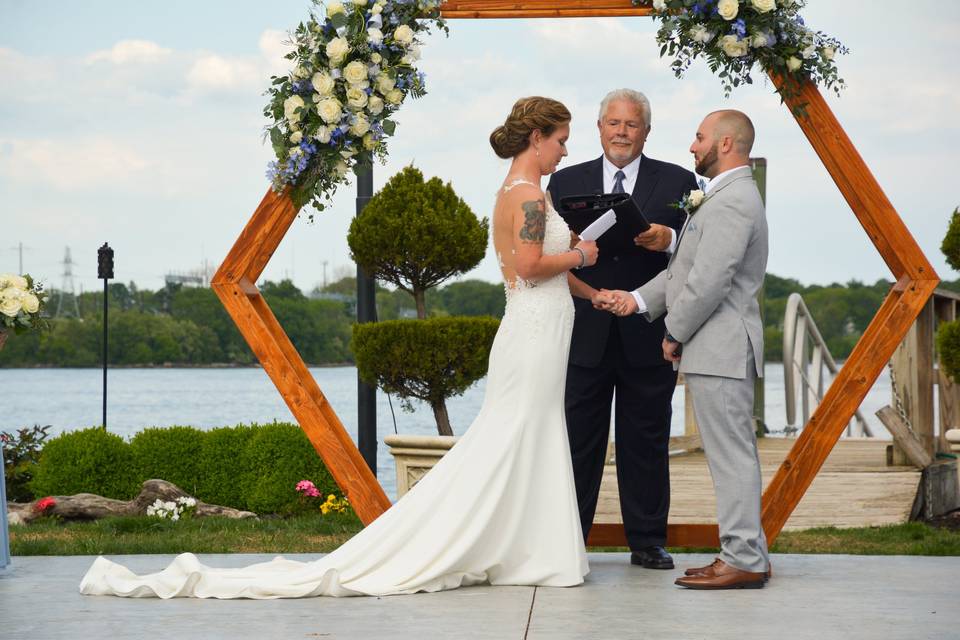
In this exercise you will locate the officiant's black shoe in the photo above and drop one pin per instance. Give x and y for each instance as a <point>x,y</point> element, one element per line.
<point>652,558</point>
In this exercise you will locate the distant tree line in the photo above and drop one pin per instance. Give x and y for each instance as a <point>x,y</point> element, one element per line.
<point>188,325</point>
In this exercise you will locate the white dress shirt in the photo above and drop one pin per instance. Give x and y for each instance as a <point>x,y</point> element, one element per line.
<point>629,182</point>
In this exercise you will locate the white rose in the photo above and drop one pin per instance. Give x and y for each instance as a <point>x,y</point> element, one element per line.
<point>322,135</point>
<point>810,51</point>
<point>394,96</point>
<point>355,72</point>
<point>360,127</point>
<point>793,63</point>
<point>291,106</point>
<point>341,168</point>
<point>369,143</point>
<point>301,72</point>
<point>360,3</point>
<point>829,53</point>
<point>415,51</point>
<point>763,6</point>
<point>385,83</point>
<point>374,36</point>
<point>403,35</point>
<point>330,110</point>
<point>334,7</point>
<point>376,10</point>
<point>695,198</point>
<point>296,137</point>
<point>659,5</point>
<point>375,105</point>
<point>376,58</point>
<point>699,33</point>
<point>733,47</point>
<point>728,9</point>
<point>758,41</point>
<point>11,301</point>
<point>19,282</point>
<point>323,83</point>
<point>407,60</point>
<point>356,98</point>
<point>337,50</point>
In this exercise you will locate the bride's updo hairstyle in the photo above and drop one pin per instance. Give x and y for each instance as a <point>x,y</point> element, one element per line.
<point>528,115</point>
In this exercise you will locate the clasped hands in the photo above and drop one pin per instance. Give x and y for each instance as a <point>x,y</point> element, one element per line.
<point>620,303</point>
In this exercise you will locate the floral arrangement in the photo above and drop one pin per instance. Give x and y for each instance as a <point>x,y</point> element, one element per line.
<point>174,510</point>
<point>22,302</point>
<point>43,504</point>
<point>307,489</point>
<point>353,68</point>
<point>734,34</point>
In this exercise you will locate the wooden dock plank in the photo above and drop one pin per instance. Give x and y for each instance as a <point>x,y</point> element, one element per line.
<point>855,487</point>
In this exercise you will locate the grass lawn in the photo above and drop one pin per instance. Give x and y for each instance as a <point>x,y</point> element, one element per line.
<point>320,534</point>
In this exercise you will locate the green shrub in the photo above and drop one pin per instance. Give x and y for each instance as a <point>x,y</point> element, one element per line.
<point>948,345</point>
<point>951,242</point>
<point>276,458</point>
<point>86,461</point>
<point>173,454</point>
<point>221,474</point>
<point>428,360</point>
<point>21,451</point>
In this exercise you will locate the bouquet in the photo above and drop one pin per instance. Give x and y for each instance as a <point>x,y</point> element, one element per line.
<point>22,303</point>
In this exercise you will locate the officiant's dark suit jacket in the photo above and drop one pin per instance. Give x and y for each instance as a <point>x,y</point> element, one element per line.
<point>658,185</point>
<point>623,354</point>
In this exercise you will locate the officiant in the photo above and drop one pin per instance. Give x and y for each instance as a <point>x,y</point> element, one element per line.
<point>622,356</point>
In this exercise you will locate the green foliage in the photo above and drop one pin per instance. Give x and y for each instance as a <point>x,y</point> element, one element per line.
<point>21,452</point>
<point>948,346</point>
<point>276,457</point>
<point>472,298</point>
<point>220,474</point>
<point>951,242</point>
<point>86,461</point>
<point>427,360</point>
<point>173,454</point>
<point>416,234</point>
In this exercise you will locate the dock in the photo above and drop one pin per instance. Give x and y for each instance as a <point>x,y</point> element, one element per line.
<point>855,487</point>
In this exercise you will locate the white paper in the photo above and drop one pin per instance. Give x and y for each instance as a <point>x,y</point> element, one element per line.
<point>599,226</point>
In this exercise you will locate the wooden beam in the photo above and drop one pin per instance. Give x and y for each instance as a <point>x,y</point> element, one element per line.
<point>483,9</point>
<point>678,535</point>
<point>905,437</point>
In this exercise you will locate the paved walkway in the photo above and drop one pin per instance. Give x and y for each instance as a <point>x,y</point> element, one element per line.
<point>816,597</point>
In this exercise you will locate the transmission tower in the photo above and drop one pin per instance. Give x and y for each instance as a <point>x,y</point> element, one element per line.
<point>66,286</point>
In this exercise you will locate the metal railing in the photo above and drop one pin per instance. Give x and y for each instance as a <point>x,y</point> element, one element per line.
<point>805,356</point>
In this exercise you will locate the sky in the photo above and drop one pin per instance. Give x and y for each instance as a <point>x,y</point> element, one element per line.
<point>140,124</point>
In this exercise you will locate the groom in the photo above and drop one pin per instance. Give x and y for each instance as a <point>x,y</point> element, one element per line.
<point>709,293</point>
<point>622,355</point>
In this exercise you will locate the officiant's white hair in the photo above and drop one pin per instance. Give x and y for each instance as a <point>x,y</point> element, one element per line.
<point>635,97</point>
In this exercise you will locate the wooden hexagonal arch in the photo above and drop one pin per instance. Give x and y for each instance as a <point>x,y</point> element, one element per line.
<point>915,282</point>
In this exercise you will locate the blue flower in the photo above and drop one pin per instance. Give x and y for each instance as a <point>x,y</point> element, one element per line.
<point>739,27</point>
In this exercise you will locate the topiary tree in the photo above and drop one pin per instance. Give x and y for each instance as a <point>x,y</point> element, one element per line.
<point>429,360</point>
<point>948,333</point>
<point>414,235</point>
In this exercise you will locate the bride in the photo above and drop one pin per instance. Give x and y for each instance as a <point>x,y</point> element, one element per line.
<point>499,508</point>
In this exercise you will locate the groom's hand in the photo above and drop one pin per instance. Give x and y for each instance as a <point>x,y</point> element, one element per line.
<point>670,350</point>
<point>657,238</point>
<point>621,303</point>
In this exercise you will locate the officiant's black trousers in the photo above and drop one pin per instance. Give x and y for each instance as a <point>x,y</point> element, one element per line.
<point>642,439</point>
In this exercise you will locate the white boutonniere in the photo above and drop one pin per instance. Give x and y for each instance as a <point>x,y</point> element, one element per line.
<point>690,202</point>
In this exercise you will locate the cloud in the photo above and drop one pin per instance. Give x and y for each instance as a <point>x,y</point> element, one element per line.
<point>130,51</point>
<point>218,73</point>
<point>87,164</point>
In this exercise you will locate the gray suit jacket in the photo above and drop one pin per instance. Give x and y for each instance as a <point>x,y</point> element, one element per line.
<point>709,288</point>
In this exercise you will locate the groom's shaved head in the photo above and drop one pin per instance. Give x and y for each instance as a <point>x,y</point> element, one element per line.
<point>736,125</point>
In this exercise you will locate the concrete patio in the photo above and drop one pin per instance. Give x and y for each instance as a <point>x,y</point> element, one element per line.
<point>818,597</point>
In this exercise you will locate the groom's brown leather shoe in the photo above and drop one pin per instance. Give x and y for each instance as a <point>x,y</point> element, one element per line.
<point>723,576</point>
<point>708,570</point>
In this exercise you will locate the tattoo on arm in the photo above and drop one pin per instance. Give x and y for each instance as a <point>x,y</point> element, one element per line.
<point>535,221</point>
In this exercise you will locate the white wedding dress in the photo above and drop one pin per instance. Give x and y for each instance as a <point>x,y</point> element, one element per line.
<point>499,508</point>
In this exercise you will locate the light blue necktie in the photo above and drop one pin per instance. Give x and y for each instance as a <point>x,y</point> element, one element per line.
<point>618,182</point>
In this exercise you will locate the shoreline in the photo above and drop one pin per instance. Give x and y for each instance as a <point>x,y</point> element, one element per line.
<point>170,365</point>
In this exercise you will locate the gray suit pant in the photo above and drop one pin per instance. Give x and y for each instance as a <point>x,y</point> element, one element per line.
<point>724,410</point>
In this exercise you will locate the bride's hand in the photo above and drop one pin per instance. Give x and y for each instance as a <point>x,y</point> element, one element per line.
<point>620,303</point>
<point>590,252</point>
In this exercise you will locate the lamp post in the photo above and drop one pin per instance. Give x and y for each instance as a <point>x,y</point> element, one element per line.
<point>105,273</point>
<point>366,312</point>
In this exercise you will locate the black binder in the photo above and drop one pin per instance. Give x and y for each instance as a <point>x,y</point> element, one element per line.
<point>580,211</point>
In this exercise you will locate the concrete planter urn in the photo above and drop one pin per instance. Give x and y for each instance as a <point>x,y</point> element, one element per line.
<point>415,455</point>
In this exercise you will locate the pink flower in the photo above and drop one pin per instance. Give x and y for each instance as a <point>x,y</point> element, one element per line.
<point>307,488</point>
<point>44,504</point>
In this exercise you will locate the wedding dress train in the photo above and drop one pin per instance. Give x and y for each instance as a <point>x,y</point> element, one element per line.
<point>499,508</point>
